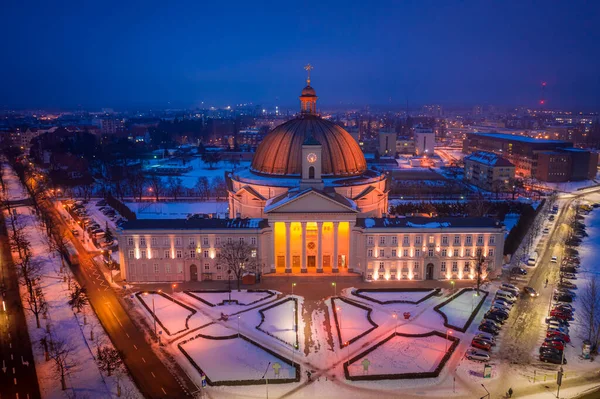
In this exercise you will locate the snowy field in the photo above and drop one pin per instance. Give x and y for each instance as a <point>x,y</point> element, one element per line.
<point>280,321</point>
<point>461,307</point>
<point>238,298</point>
<point>401,355</point>
<point>238,359</point>
<point>177,210</point>
<point>352,320</point>
<point>406,296</point>
<point>171,315</point>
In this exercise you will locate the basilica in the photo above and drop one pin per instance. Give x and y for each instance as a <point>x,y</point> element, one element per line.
<point>309,205</point>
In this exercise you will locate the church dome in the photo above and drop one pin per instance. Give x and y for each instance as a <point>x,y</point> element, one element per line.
<point>308,91</point>
<point>280,153</point>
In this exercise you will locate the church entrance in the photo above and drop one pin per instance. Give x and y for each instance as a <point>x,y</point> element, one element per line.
<point>311,261</point>
<point>193,273</point>
<point>429,272</point>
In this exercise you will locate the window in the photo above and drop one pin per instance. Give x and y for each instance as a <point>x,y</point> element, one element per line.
<point>205,254</point>
<point>405,252</point>
<point>467,267</point>
<point>168,269</point>
<point>241,240</point>
<point>192,241</point>
<point>219,267</point>
<point>381,240</point>
<point>479,240</point>
<point>381,253</point>
<point>178,241</point>
<point>166,241</point>
<point>206,266</point>
<point>394,240</point>
<point>180,268</point>
<point>143,253</point>
<point>443,266</point>
<point>229,240</point>
<point>393,253</point>
<point>218,277</point>
<point>417,253</point>
<point>416,266</point>
<point>131,254</point>
<point>311,172</point>
<point>205,241</point>
<point>430,253</point>
<point>156,268</point>
<point>381,267</point>
<point>455,252</point>
<point>253,241</point>
<point>492,240</point>
<point>479,252</point>
<point>217,241</point>
<point>154,253</point>
<point>456,240</point>
<point>469,240</point>
<point>405,240</point>
<point>154,241</point>
<point>444,240</point>
<point>491,252</point>
<point>418,240</point>
<point>431,239</point>
<point>130,241</point>
<point>167,254</point>
<point>142,241</point>
<point>444,252</point>
<point>193,253</point>
<point>454,267</point>
<point>468,252</point>
<point>369,276</point>
<point>370,240</point>
<point>179,254</point>
<point>370,253</point>
<point>253,253</point>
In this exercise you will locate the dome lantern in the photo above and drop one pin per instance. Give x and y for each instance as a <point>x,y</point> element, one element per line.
<point>308,98</point>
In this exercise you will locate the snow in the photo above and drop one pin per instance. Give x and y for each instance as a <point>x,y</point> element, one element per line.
<point>402,355</point>
<point>352,320</point>
<point>461,307</point>
<point>280,321</point>
<point>177,210</point>
<point>410,296</point>
<point>242,297</point>
<point>510,221</point>
<point>432,225</point>
<point>238,359</point>
<point>172,315</point>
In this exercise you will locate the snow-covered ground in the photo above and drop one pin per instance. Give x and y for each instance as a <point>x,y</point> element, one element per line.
<point>352,320</point>
<point>238,298</point>
<point>170,314</point>
<point>177,210</point>
<point>395,296</point>
<point>280,321</point>
<point>459,309</point>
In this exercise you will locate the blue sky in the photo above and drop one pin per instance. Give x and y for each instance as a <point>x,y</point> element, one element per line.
<point>154,53</point>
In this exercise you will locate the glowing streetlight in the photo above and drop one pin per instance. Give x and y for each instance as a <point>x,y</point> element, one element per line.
<point>293,285</point>
<point>347,344</point>
<point>334,285</point>
<point>395,316</point>
<point>173,286</point>
<point>448,332</point>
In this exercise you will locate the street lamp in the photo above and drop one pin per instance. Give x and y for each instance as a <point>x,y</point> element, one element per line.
<point>395,316</point>
<point>293,285</point>
<point>339,312</point>
<point>173,286</point>
<point>238,325</point>
<point>334,288</point>
<point>153,312</point>
<point>488,392</point>
<point>452,284</point>
<point>264,377</point>
<point>448,332</point>
<point>347,343</point>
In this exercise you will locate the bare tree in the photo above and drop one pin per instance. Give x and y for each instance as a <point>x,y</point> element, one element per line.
<point>203,187</point>
<point>136,182</point>
<point>29,271</point>
<point>211,158</point>
<point>219,188</point>
<point>78,298</point>
<point>109,359</point>
<point>590,311</point>
<point>61,353</point>
<point>237,258</point>
<point>156,185</point>
<point>36,304</point>
<point>175,185</point>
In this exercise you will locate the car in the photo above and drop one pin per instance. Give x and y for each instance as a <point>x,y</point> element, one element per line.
<point>554,259</point>
<point>549,350</point>
<point>555,339</point>
<point>559,308</point>
<point>552,358</point>
<point>502,302</point>
<point>492,323</point>
<point>500,312</point>
<point>507,296</point>
<point>496,308</point>
<point>495,317</point>
<point>563,298</point>
<point>518,270</point>
<point>509,287</point>
<point>568,269</point>
<point>514,292</point>
<point>546,231</point>
<point>561,315</point>
<point>481,344</point>
<point>486,337</point>
<point>558,334</point>
<point>489,329</point>
<point>568,276</point>
<point>75,232</point>
<point>566,306</point>
<point>551,218</point>
<point>564,291</point>
<point>101,203</point>
<point>531,292</point>
<point>559,321</point>
<point>477,355</point>
<point>564,330</point>
<point>567,284</point>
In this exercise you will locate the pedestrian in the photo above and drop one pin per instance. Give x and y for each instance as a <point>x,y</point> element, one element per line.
<point>510,392</point>
<point>308,374</point>
<point>546,282</point>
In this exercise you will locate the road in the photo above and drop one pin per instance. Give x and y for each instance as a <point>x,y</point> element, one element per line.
<point>18,378</point>
<point>151,376</point>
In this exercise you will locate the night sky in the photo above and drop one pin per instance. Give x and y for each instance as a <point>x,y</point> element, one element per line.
<point>178,54</point>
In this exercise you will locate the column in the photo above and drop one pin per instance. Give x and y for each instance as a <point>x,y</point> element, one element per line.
<point>335,247</point>
<point>303,227</point>
<point>273,257</point>
<point>288,260</point>
<point>351,249</point>
<point>319,248</point>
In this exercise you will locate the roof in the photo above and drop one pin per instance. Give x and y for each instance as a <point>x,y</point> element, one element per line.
<point>194,223</point>
<point>427,223</point>
<point>293,194</point>
<point>280,152</point>
<point>522,139</point>
<point>488,158</point>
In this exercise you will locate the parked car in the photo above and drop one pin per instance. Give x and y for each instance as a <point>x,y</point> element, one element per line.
<point>568,276</point>
<point>549,350</point>
<point>546,231</point>
<point>477,355</point>
<point>488,328</point>
<point>554,259</point>
<point>531,292</point>
<point>519,271</point>
<point>514,291</point>
<point>507,296</point>
<point>567,284</point>
<point>481,344</point>
<point>563,298</point>
<point>552,358</point>
<point>101,203</point>
<point>555,339</point>
<point>486,337</point>
<point>557,320</point>
<point>492,323</point>
<point>564,330</point>
<point>75,232</point>
<point>495,317</point>
<point>551,218</point>
<point>502,302</point>
<point>500,312</point>
<point>561,315</point>
<point>558,334</point>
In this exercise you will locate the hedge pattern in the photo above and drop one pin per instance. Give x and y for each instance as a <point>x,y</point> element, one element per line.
<point>337,323</point>
<point>183,305</point>
<point>191,293</point>
<point>473,314</point>
<point>359,293</point>
<point>402,376</point>
<point>240,382</point>
<point>262,320</point>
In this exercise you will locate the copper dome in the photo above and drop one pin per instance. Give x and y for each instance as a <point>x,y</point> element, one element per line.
<point>308,91</point>
<point>280,153</point>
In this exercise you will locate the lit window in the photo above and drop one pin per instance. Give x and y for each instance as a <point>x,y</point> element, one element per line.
<point>192,253</point>
<point>205,254</point>
<point>131,254</point>
<point>167,254</point>
<point>253,253</point>
<point>167,269</point>
<point>130,241</point>
<point>205,241</point>
<point>179,254</point>
<point>142,242</point>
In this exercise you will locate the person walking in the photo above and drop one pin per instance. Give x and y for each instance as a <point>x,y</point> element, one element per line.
<point>546,282</point>
<point>510,392</point>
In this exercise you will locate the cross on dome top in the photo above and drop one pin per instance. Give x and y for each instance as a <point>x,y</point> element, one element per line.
<point>308,68</point>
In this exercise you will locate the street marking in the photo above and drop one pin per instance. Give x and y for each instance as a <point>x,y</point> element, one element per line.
<point>143,360</point>
<point>14,371</point>
<point>152,374</point>
<point>15,381</point>
<point>127,335</point>
<point>135,347</point>
<point>113,313</point>
<point>165,392</point>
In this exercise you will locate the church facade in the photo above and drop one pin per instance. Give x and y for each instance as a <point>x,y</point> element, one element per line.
<point>308,204</point>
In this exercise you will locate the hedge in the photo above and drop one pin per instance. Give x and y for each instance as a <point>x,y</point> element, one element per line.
<point>337,324</point>
<point>262,320</point>
<point>403,376</point>
<point>359,293</point>
<point>240,382</point>
<point>519,231</point>
<point>191,293</point>
<point>193,311</point>
<point>473,314</point>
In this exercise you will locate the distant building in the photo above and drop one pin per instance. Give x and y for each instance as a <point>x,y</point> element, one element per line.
<point>424,141</point>
<point>387,143</point>
<point>110,125</point>
<point>545,160</point>
<point>405,145</point>
<point>250,137</point>
<point>488,171</point>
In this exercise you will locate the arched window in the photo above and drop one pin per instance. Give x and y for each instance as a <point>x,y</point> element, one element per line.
<point>311,172</point>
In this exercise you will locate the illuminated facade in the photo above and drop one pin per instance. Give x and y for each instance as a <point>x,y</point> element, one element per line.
<point>308,205</point>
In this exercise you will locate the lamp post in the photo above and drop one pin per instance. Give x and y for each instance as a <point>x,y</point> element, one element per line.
<point>266,379</point>
<point>238,325</point>
<point>448,333</point>
<point>395,316</point>
<point>173,286</point>
<point>153,313</point>
<point>488,392</point>
<point>293,285</point>
<point>334,285</point>
<point>347,343</point>
<point>452,284</point>
<point>339,312</point>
